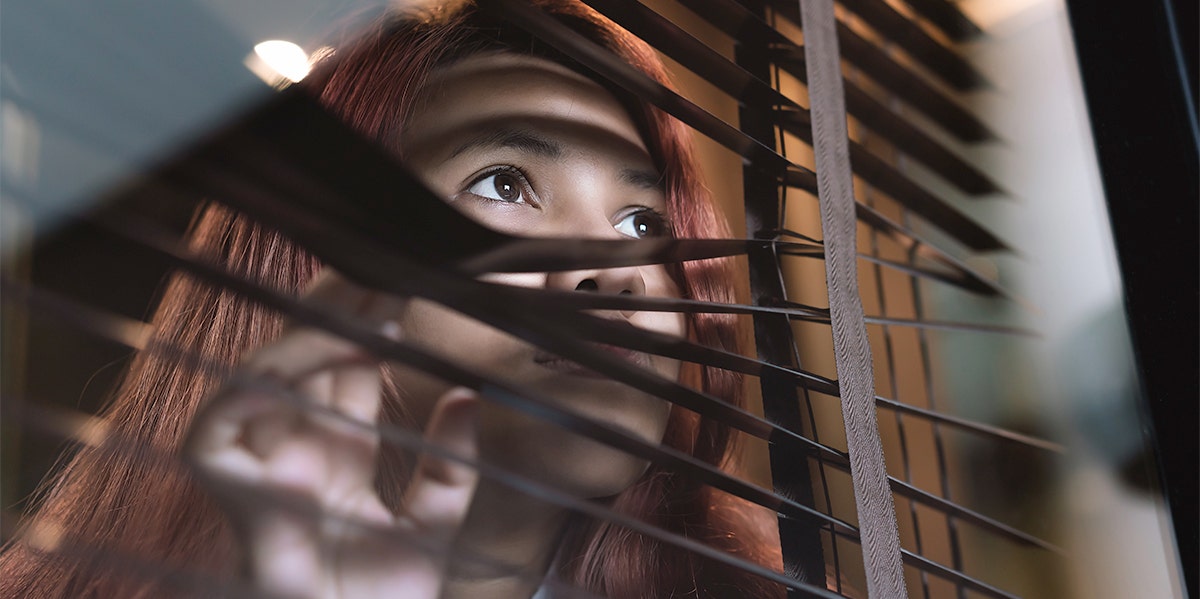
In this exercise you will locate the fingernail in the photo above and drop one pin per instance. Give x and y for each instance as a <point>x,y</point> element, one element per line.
<point>463,403</point>
<point>391,329</point>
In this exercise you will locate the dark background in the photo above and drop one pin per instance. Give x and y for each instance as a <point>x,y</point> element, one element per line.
<point>1139,68</point>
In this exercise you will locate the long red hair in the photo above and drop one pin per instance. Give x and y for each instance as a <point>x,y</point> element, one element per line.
<point>129,501</point>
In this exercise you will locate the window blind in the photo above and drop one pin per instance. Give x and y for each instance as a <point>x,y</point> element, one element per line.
<point>867,176</point>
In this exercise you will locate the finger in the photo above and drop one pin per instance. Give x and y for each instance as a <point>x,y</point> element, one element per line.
<point>332,291</point>
<point>453,427</point>
<point>283,550</point>
<point>441,489</point>
<point>348,431</point>
<point>302,352</point>
<point>357,391</point>
<point>301,464</point>
<point>383,308</point>
<point>350,385</point>
<point>262,433</point>
<point>220,424</point>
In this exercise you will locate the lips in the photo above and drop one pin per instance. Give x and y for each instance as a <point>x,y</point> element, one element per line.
<point>565,366</point>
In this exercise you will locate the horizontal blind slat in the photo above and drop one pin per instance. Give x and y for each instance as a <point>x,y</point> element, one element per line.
<point>690,52</point>
<point>948,18</point>
<point>942,61</point>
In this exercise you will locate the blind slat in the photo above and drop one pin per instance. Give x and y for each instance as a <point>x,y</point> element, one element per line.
<point>690,52</point>
<point>942,61</point>
<point>948,18</point>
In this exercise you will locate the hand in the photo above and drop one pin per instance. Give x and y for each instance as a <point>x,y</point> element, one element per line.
<point>291,457</point>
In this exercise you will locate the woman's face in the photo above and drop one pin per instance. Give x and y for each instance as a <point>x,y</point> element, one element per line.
<point>532,148</point>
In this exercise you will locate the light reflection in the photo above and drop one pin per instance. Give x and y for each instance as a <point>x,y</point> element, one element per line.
<point>279,60</point>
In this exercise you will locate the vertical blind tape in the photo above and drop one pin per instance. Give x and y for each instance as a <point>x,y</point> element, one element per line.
<point>872,494</point>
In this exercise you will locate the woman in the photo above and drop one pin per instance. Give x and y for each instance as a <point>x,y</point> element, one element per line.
<point>521,139</point>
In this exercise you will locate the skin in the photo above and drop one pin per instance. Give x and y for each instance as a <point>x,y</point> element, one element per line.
<point>525,146</point>
<point>589,176</point>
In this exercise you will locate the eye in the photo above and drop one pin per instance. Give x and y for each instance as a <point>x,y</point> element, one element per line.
<point>643,223</point>
<point>507,186</point>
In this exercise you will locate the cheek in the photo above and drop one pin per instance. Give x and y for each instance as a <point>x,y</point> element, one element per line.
<point>450,336</point>
<point>457,337</point>
<point>524,444</point>
<point>659,283</point>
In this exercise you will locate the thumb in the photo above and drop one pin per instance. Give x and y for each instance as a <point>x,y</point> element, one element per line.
<point>441,489</point>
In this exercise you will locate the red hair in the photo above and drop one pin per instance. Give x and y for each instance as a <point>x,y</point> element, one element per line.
<point>127,502</point>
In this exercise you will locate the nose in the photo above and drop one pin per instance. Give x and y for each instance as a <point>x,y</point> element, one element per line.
<point>617,281</point>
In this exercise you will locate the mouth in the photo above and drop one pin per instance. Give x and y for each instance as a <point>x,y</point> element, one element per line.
<point>564,366</point>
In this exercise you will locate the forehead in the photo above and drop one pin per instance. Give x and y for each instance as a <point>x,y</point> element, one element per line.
<point>511,88</point>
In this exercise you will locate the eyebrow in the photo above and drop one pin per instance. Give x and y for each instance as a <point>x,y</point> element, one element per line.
<point>643,179</point>
<point>505,137</point>
<point>528,141</point>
